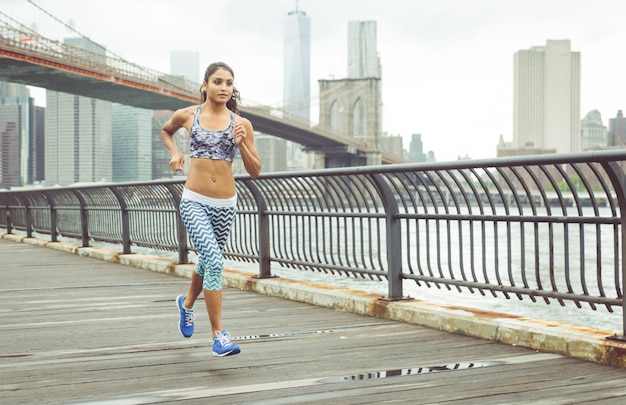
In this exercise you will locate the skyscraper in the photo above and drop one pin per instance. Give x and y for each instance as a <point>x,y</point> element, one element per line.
<point>132,137</point>
<point>617,130</point>
<point>273,152</point>
<point>10,146</point>
<point>363,59</point>
<point>416,149</point>
<point>20,142</point>
<point>78,139</point>
<point>297,78</point>
<point>546,103</point>
<point>297,64</point>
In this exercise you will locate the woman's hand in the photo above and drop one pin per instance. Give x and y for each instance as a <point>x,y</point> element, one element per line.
<point>239,133</point>
<point>177,161</point>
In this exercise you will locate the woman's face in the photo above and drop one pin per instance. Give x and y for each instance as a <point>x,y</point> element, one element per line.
<point>220,85</point>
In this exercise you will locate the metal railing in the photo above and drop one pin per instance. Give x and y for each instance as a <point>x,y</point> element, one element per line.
<point>548,227</point>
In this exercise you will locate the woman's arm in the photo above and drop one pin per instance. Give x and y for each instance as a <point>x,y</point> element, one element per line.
<point>168,130</point>
<point>244,137</point>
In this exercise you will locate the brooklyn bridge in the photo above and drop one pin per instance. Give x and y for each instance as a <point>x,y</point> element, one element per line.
<point>29,58</point>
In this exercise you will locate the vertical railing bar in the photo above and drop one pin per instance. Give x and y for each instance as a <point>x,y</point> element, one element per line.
<point>531,202</point>
<point>484,224</point>
<point>448,230</point>
<point>472,220</point>
<point>427,222</point>
<point>496,241</point>
<point>611,203</point>
<point>509,237</point>
<point>546,204</point>
<point>418,253</point>
<point>572,189</point>
<point>618,179</point>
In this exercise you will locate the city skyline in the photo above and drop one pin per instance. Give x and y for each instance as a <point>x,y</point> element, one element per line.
<point>438,60</point>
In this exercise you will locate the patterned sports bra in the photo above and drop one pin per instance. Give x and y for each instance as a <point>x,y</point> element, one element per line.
<point>218,145</point>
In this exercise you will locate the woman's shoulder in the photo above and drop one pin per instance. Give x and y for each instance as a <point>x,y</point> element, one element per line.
<point>239,118</point>
<point>187,110</point>
<point>184,114</point>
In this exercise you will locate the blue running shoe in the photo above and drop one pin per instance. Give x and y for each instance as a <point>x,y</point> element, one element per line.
<point>222,346</point>
<point>187,317</point>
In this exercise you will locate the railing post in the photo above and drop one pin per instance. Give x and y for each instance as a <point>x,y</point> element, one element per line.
<point>264,231</point>
<point>393,239</point>
<point>29,218</point>
<point>125,220</point>
<point>618,179</point>
<point>53,218</point>
<point>183,249</point>
<point>9,225</point>
<point>84,218</point>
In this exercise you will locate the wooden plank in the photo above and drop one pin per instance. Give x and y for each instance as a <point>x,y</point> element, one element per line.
<point>78,330</point>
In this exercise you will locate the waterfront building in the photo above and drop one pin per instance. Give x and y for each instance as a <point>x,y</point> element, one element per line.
<point>273,152</point>
<point>546,98</point>
<point>21,132</point>
<point>392,144</point>
<point>132,140</point>
<point>593,132</point>
<point>617,130</point>
<point>10,146</point>
<point>78,140</point>
<point>37,146</point>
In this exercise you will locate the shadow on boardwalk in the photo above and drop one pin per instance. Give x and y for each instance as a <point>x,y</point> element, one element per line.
<point>79,330</point>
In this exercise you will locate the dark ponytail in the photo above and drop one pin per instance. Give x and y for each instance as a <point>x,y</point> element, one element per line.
<point>230,104</point>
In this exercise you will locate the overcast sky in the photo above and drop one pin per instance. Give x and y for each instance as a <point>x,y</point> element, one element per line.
<point>447,65</point>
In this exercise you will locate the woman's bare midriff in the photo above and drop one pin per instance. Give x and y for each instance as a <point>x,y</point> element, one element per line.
<point>212,178</point>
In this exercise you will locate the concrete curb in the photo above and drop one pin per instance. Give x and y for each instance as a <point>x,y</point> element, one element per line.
<point>568,340</point>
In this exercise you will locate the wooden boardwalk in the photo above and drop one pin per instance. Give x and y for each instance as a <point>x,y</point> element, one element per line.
<point>77,330</point>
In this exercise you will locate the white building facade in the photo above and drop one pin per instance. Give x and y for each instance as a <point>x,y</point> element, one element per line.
<point>546,103</point>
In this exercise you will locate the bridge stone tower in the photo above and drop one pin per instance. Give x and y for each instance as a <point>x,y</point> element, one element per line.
<point>352,108</point>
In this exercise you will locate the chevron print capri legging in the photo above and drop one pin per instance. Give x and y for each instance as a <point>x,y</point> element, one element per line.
<point>208,227</point>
